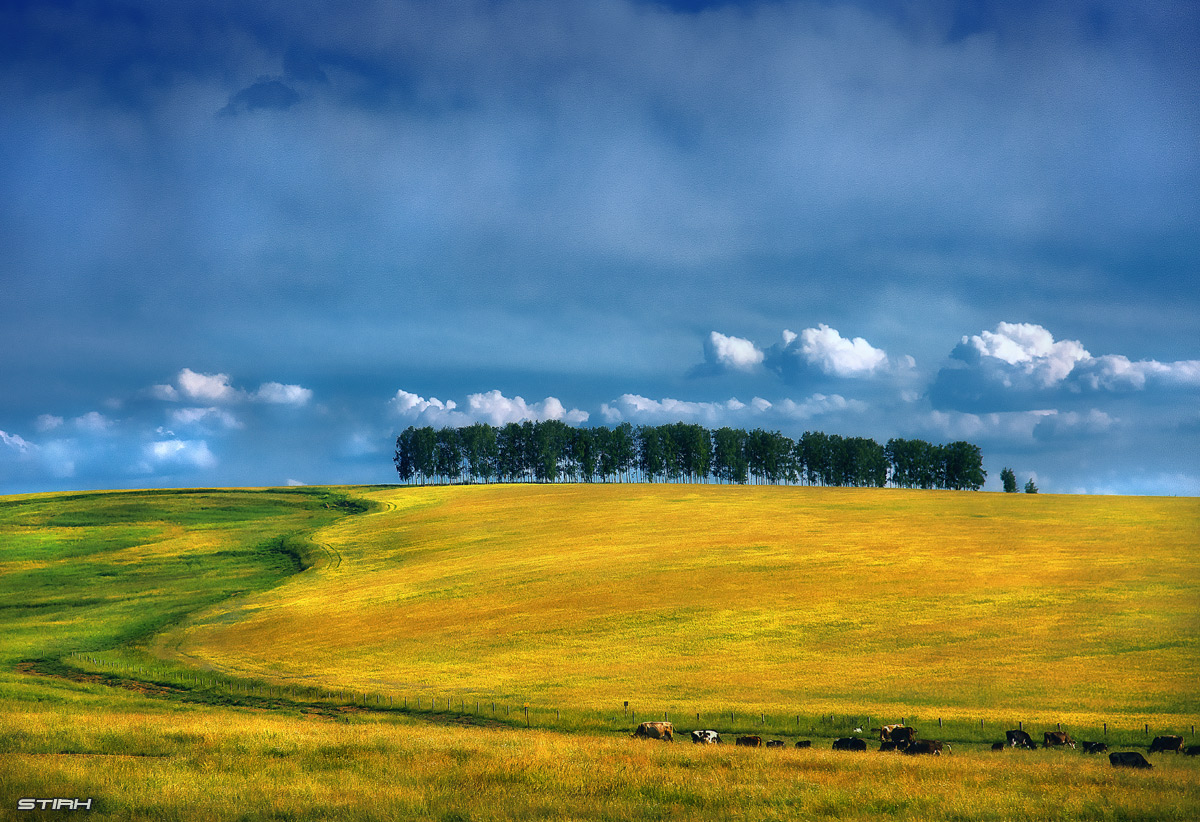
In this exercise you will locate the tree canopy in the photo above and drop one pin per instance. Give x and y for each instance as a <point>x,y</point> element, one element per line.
<point>552,451</point>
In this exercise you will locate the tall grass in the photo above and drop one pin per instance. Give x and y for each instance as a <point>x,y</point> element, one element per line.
<point>213,682</point>
<point>780,600</point>
<point>158,762</point>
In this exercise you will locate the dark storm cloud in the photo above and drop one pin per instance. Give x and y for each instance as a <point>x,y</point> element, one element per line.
<point>562,198</point>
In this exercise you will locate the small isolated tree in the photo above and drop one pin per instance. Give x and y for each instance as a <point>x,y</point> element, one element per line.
<point>1030,488</point>
<point>1010,481</point>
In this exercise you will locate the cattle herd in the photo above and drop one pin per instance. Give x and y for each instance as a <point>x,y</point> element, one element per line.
<point>903,739</point>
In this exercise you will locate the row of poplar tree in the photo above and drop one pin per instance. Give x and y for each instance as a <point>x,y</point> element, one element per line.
<point>552,451</point>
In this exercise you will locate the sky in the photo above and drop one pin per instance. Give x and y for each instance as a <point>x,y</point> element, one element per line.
<point>247,243</point>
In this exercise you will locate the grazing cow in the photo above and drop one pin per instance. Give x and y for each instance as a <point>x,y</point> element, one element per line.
<point>849,743</point>
<point>1191,750</point>
<point>706,738</point>
<point>1128,759</point>
<point>1019,739</point>
<point>1055,739</point>
<point>885,733</point>
<point>903,735</point>
<point>999,746</point>
<point>1167,743</point>
<point>926,746</point>
<point>804,743</point>
<point>656,730</point>
<point>750,741</point>
<point>775,743</point>
<point>1094,747</point>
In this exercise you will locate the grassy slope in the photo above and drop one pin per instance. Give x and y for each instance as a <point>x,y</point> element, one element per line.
<point>686,598</point>
<point>89,572</point>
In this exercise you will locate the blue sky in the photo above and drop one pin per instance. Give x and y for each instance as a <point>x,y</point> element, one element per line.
<point>248,243</point>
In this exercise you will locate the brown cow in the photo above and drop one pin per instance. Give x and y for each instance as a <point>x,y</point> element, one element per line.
<point>926,746</point>
<point>1167,743</point>
<point>1128,759</point>
<point>885,733</point>
<point>656,730</point>
<point>1054,739</point>
<point>750,741</point>
<point>903,735</point>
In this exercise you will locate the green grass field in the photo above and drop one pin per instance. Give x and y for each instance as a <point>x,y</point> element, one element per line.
<point>165,652</point>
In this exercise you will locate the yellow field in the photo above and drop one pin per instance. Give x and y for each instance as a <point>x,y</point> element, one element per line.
<point>146,760</point>
<point>704,599</point>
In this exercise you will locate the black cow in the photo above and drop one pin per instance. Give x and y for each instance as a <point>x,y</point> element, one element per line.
<point>1167,743</point>
<point>903,735</point>
<point>999,746</point>
<point>926,746</point>
<point>1094,747</point>
<point>775,743</point>
<point>888,746</point>
<point>1128,759</point>
<point>804,743</point>
<point>1019,739</point>
<point>849,743</point>
<point>1191,750</point>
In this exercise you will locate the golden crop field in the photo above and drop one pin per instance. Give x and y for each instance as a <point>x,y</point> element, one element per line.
<point>164,654</point>
<point>706,599</point>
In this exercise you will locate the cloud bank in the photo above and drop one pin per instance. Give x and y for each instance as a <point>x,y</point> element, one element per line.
<point>491,407</point>
<point>1021,365</point>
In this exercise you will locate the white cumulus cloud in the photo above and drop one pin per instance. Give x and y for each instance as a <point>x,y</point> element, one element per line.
<point>218,389</point>
<point>177,453</point>
<point>280,394</point>
<point>430,411</point>
<point>1031,348</point>
<point>492,407</point>
<point>15,442</point>
<point>48,422</point>
<point>206,387</point>
<point>824,350</point>
<point>1021,364</point>
<point>93,422</point>
<point>497,409</point>
<point>205,417</point>
<point>819,404</point>
<point>837,356</point>
<point>639,409</point>
<point>733,352</point>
